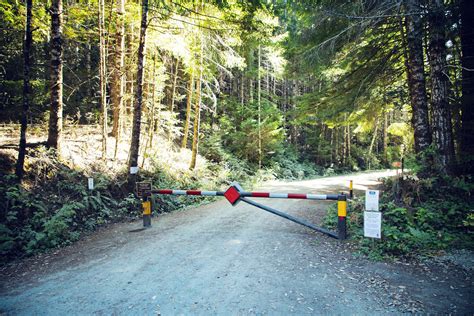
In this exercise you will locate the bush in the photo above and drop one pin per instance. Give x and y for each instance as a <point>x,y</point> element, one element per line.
<point>419,217</point>
<point>55,207</point>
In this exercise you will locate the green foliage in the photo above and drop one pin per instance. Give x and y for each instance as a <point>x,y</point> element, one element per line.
<point>56,208</point>
<point>239,129</point>
<point>430,215</point>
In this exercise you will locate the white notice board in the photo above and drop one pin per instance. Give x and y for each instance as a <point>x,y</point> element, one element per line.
<point>372,200</point>
<point>372,224</point>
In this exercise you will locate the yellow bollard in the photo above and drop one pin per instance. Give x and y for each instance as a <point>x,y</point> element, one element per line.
<point>146,213</point>
<point>342,214</point>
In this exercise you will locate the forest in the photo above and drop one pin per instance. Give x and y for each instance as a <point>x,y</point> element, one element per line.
<point>196,94</point>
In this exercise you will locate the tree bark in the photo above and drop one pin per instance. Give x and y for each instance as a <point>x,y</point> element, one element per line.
<point>197,122</point>
<point>385,138</point>
<point>28,39</point>
<point>56,106</point>
<point>189,101</point>
<point>259,96</point>
<point>137,109</point>
<point>197,109</point>
<point>103,76</point>
<point>416,76</point>
<point>441,114</point>
<point>467,99</point>
<point>117,84</point>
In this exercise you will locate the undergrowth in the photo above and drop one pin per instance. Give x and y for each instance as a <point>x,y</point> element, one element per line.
<point>420,217</point>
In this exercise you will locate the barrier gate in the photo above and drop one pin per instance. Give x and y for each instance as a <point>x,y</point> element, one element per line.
<point>234,194</point>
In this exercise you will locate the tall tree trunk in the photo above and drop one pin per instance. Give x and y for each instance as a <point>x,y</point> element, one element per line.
<point>173,94</point>
<point>117,84</point>
<point>467,100</point>
<point>197,108</point>
<point>385,138</point>
<point>441,118</point>
<point>197,121</point>
<point>28,38</point>
<point>189,101</point>
<point>374,137</point>
<point>242,89</point>
<point>56,106</point>
<point>416,75</point>
<point>173,84</point>
<point>137,109</point>
<point>103,76</point>
<point>259,96</point>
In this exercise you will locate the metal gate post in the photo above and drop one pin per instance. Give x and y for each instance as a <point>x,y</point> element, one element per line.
<point>351,189</point>
<point>146,204</point>
<point>342,214</point>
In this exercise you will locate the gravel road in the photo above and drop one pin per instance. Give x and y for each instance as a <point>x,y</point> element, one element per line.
<point>219,259</point>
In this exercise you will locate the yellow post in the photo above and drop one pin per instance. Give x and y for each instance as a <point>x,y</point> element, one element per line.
<point>146,213</point>
<point>351,189</point>
<point>342,214</point>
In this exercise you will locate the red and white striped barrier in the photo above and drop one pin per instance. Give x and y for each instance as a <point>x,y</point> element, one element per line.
<point>233,191</point>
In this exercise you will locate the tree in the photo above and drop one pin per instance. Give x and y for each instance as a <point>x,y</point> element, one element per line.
<point>441,114</point>
<point>467,101</point>
<point>56,105</point>
<point>416,75</point>
<point>189,101</point>
<point>197,113</point>
<point>117,82</point>
<point>103,76</point>
<point>28,39</point>
<point>137,109</point>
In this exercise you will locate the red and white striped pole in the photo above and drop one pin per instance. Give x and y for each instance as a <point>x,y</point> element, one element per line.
<point>235,193</point>
<point>305,196</point>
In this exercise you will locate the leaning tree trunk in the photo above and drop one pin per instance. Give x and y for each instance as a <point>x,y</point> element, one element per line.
<point>259,103</point>
<point>189,101</point>
<point>117,84</point>
<point>56,106</point>
<point>467,100</point>
<point>197,122</point>
<point>103,76</point>
<point>441,114</point>
<point>416,75</point>
<point>26,90</point>
<point>137,109</point>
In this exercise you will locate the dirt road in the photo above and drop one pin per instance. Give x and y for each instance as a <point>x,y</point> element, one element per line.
<point>219,259</point>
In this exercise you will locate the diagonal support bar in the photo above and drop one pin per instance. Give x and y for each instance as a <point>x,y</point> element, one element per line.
<point>289,217</point>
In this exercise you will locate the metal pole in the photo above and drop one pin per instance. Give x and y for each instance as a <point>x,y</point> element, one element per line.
<point>342,214</point>
<point>351,189</point>
<point>146,204</point>
<point>289,217</point>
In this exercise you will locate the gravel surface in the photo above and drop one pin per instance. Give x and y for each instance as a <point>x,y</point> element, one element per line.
<point>219,259</point>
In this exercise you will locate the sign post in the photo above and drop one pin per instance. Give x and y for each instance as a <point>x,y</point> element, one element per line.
<point>144,192</point>
<point>372,215</point>
<point>90,183</point>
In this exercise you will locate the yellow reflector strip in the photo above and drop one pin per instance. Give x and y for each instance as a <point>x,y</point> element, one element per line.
<point>342,208</point>
<point>146,208</point>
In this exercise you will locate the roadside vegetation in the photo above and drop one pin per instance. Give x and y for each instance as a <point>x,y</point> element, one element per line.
<point>421,217</point>
<point>194,95</point>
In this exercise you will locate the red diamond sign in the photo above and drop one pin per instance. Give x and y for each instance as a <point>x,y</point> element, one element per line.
<point>232,195</point>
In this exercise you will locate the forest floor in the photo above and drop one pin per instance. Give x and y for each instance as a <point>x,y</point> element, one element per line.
<point>219,259</point>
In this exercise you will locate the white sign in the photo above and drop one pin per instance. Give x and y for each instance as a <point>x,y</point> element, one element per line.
<point>372,200</point>
<point>90,183</point>
<point>372,224</point>
<point>133,170</point>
